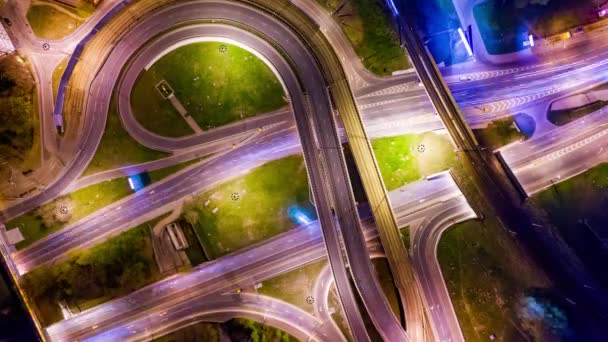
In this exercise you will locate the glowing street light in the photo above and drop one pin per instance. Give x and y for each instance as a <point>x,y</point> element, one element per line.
<point>465,41</point>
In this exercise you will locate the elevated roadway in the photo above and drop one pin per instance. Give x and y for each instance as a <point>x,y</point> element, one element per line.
<point>490,180</point>
<point>222,10</point>
<point>241,269</point>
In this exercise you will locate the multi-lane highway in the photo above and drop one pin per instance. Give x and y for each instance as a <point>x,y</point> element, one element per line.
<point>288,251</point>
<point>488,178</point>
<point>388,107</point>
<point>337,183</point>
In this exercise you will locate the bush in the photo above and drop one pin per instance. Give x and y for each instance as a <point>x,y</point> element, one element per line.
<point>117,266</point>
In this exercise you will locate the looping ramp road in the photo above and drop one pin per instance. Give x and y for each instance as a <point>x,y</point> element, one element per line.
<point>309,67</point>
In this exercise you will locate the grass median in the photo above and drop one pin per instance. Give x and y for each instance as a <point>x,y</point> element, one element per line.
<point>367,25</point>
<point>216,83</point>
<point>48,218</point>
<point>565,116</point>
<point>580,105</point>
<point>407,158</point>
<point>253,208</point>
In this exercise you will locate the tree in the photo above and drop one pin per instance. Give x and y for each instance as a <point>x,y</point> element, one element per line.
<point>39,282</point>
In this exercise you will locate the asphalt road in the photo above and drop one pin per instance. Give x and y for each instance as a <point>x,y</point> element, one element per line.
<point>241,269</point>
<point>385,106</point>
<point>277,313</point>
<point>151,202</point>
<point>486,174</point>
<point>307,66</point>
<point>556,156</point>
<point>156,45</point>
<point>558,62</point>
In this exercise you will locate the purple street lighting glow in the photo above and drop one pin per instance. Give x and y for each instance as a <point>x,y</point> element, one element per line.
<point>465,41</point>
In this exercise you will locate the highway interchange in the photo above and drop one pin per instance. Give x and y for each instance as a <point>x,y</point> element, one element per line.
<point>432,206</point>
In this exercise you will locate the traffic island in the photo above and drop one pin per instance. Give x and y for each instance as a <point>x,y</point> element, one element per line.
<point>571,108</point>
<point>68,209</point>
<point>407,158</point>
<point>210,83</point>
<point>499,133</point>
<point>265,202</point>
<point>54,20</point>
<point>295,287</point>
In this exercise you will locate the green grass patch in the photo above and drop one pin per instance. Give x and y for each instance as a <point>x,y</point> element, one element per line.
<point>499,133</point>
<point>487,277</point>
<point>57,73</point>
<point>577,208</point>
<point>385,277</point>
<point>118,149</point>
<point>48,218</point>
<point>215,87</point>
<point>19,122</point>
<point>565,116</point>
<point>295,286</point>
<point>401,162</point>
<point>48,22</point>
<point>367,25</point>
<point>111,269</point>
<point>260,211</point>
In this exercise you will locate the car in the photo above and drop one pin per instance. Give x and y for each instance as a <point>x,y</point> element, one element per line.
<point>466,78</point>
